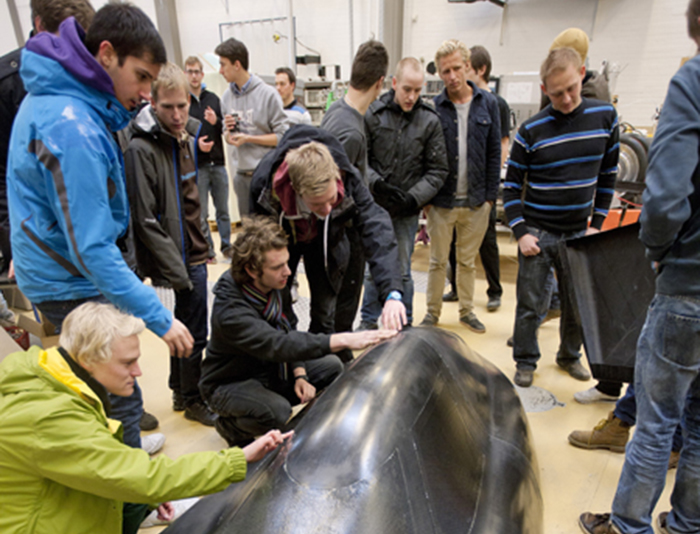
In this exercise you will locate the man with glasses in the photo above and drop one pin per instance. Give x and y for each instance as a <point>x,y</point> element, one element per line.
<point>206,108</point>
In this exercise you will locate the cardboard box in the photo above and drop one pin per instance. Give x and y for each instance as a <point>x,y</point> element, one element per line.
<point>44,330</point>
<point>16,299</point>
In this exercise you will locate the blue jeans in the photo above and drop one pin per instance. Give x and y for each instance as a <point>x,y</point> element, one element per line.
<point>626,411</point>
<point>214,179</point>
<point>191,309</point>
<point>405,229</point>
<point>533,297</point>
<point>667,385</point>
<point>127,410</point>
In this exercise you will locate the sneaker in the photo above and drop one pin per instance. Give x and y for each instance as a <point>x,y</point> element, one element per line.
<point>429,320</point>
<point>148,421</point>
<point>366,325</point>
<point>152,443</point>
<point>180,507</point>
<point>611,433</point>
<point>523,377</point>
<point>509,341</point>
<point>493,304</point>
<point>178,402</point>
<point>472,323</point>
<point>576,370</point>
<point>450,297</point>
<point>591,395</point>
<point>200,412</point>
<point>597,524</point>
<point>661,523</point>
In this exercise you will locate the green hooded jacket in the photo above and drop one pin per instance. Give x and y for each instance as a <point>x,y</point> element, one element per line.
<point>63,466</point>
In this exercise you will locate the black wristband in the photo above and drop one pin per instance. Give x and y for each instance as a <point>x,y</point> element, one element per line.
<point>301,376</point>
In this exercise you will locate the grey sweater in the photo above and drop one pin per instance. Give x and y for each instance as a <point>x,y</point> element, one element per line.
<point>260,111</point>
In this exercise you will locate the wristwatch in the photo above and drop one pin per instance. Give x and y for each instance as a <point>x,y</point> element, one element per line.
<point>395,295</point>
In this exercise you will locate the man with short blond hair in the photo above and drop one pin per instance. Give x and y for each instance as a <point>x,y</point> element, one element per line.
<point>211,165</point>
<point>171,249</point>
<point>319,219</point>
<point>406,152</point>
<point>470,123</point>
<point>561,176</point>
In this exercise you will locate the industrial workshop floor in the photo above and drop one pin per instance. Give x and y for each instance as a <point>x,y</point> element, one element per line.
<point>572,480</point>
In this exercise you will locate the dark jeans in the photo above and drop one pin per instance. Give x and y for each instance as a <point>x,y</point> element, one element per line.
<point>626,410</point>
<point>351,290</point>
<point>254,406</point>
<point>127,410</point>
<point>323,297</point>
<point>532,297</point>
<point>191,309</point>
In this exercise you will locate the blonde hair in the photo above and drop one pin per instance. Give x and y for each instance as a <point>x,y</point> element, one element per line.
<point>408,63</point>
<point>450,47</point>
<point>89,331</point>
<point>171,77</point>
<point>558,60</point>
<point>311,169</point>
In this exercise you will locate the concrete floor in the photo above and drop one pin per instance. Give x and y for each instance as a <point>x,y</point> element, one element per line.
<point>572,480</point>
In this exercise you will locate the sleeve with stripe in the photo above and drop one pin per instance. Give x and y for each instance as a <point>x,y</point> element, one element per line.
<point>605,188</point>
<point>514,184</point>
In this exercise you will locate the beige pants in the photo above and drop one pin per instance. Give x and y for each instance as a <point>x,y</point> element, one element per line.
<point>471,226</point>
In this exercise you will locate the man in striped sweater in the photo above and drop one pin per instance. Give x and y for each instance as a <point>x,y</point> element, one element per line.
<point>561,172</point>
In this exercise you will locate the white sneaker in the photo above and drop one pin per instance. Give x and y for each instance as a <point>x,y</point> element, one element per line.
<point>180,506</point>
<point>152,443</point>
<point>592,395</point>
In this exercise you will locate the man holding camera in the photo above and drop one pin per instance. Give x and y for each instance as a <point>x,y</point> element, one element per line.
<point>254,118</point>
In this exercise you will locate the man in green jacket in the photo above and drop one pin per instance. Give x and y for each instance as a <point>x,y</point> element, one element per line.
<point>63,466</point>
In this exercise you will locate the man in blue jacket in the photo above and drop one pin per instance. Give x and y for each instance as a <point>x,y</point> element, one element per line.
<point>66,187</point>
<point>470,123</point>
<point>667,369</point>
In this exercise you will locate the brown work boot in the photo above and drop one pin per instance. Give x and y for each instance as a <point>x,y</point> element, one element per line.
<point>673,459</point>
<point>610,433</point>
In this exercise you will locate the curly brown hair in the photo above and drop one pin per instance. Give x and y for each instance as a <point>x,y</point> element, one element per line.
<point>260,234</point>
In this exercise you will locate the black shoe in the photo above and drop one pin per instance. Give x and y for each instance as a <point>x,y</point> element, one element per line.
<point>493,304</point>
<point>552,313</point>
<point>227,252</point>
<point>450,297</point>
<point>148,421</point>
<point>200,412</point>
<point>509,342</point>
<point>523,377</point>
<point>472,323</point>
<point>576,370</point>
<point>178,403</point>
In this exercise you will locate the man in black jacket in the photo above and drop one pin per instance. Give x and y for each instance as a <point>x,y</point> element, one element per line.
<point>406,151</point>
<point>206,108</point>
<point>170,247</point>
<point>257,364</point>
<point>310,184</point>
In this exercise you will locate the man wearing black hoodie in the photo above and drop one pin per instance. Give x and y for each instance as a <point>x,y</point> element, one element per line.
<point>310,184</point>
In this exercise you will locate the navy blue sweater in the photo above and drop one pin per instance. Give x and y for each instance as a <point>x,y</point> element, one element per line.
<point>671,213</point>
<point>562,168</point>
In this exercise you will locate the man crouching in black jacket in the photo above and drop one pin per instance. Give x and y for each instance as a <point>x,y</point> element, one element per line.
<point>257,365</point>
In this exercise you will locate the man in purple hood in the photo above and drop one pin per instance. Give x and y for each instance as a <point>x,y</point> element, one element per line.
<point>66,185</point>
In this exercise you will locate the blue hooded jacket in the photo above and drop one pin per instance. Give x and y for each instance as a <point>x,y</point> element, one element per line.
<point>66,185</point>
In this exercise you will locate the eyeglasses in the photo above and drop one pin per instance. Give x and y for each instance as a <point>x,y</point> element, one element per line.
<point>194,72</point>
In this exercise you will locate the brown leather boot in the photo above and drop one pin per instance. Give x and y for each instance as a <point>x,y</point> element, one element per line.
<point>610,433</point>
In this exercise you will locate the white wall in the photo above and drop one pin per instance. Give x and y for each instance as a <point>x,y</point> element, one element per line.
<point>647,37</point>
